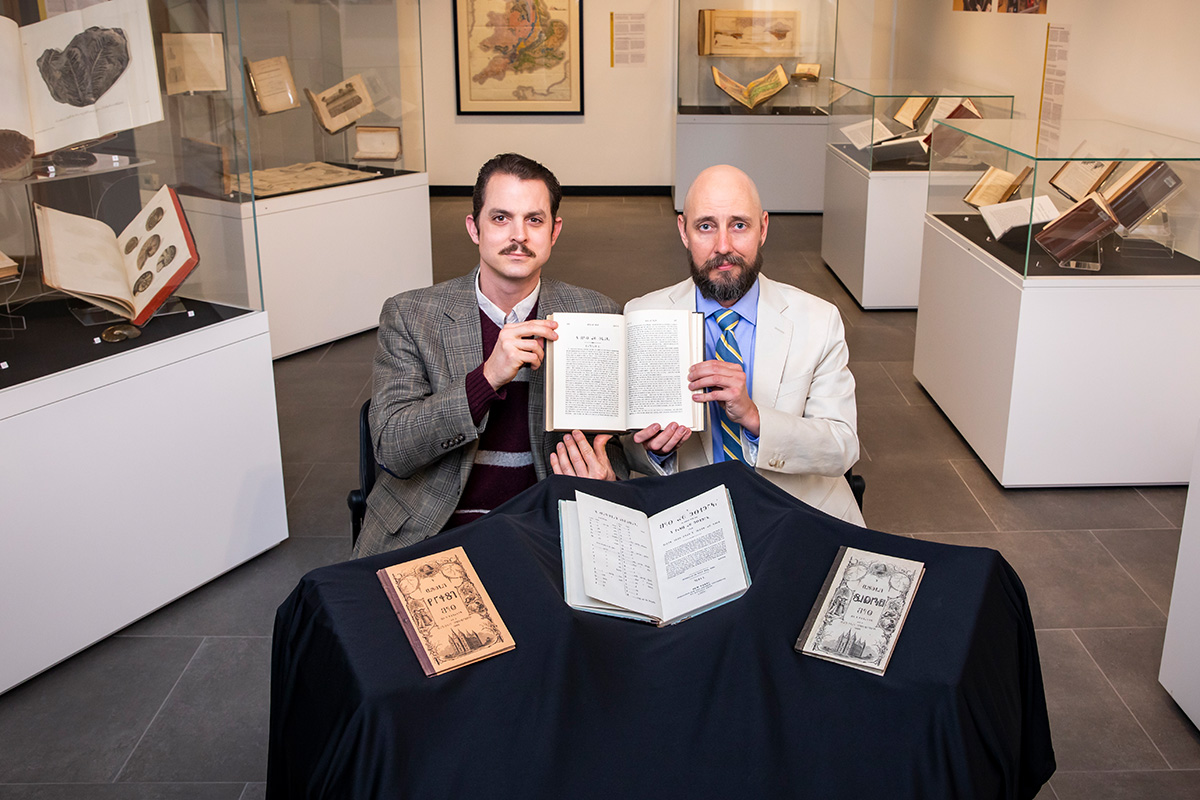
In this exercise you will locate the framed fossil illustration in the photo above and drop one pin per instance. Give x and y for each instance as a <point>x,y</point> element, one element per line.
<point>518,56</point>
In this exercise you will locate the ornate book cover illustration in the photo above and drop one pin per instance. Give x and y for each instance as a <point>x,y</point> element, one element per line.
<point>446,614</point>
<point>860,610</point>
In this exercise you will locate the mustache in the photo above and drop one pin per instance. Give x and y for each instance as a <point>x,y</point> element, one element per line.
<point>517,247</point>
<point>719,261</point>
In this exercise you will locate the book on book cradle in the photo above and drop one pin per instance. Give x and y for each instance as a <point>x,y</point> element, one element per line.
<point>1141,191</point>
<point>995,186</point>
<point>74,77</point>
<point>1077,179</point>
<point>1077,229</point>
<point>909,148</point>
<point>662,568</point>
<point>951,108</point>
<point>1004,217</point>
<point>272,85</point>
<point>129,274</point>
<point>866,133</point>
<point>806,72</point>
<point>447,615</point>
<point>621,372</point>
<point>949,140</point>
<point>757,91</point>
<point>910,110</point>
<point>340,105</point>
<point>376,143</point>
<point>862,606</point>
<point>194,62</point>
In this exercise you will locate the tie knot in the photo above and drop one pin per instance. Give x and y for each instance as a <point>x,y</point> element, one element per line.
<point>728,319</point>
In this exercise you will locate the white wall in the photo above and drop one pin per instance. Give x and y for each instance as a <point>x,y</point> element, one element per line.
<point>626,136</point>
<point>1131,63</point>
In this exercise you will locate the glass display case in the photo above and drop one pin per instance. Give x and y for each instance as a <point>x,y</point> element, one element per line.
<point>195,142</point>
<point>1100,198</point>
<point>1059,290</point>
<point>886,124</point>
<point>750,57</point>
<point>135,338</point>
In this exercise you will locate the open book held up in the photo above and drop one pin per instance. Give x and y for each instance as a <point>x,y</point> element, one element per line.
<point>130,274</point>
<point>614,372</point>
<point>663,569</point>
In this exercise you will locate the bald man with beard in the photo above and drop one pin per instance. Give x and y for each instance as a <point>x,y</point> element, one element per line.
<point>775,378</point>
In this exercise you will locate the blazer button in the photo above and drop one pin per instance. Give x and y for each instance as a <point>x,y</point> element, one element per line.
<point>780,464</point>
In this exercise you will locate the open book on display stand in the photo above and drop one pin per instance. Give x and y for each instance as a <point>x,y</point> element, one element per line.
<point>910,110</point>
<point>614,372</point>
<point>1077,179</point>
<point>1004,217</point>
<point>866,133</point>
<point>757,91</point>
<point>995,186</point>
<point>129,274</point>
<point>194,62</point>
<point>75,77</point>
<point>272,85</point>
<point>662,568</point>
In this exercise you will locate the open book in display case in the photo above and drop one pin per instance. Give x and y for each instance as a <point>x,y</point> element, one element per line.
<point>877,170</point>
<point>135,362</point>
<point>1071,304</point>
<point>753,84</point>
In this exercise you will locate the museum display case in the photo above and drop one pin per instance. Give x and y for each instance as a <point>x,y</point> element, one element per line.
<point>753,91</point>
<point>137,404</point>
<point>886,124</point>
<point>1106,199</point>
<point>877,172</point>
<point>1060,299</point>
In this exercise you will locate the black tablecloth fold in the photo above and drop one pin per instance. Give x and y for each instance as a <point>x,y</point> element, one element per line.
<point>718,706</point>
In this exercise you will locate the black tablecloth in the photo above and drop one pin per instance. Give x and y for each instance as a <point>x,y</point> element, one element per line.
<point>717,706</point>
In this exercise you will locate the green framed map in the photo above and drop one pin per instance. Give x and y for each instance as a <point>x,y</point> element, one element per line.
<point>519,56</point>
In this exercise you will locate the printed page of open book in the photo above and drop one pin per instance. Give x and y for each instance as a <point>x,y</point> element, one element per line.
<point>1003,217</point>
<point>697,555</point>
<point>587,377</point>
<point>618,561</point>
<point>661,346</point>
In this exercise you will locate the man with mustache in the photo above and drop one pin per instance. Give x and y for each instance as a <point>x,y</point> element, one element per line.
<point>457,416</point>
<point>776,379</point>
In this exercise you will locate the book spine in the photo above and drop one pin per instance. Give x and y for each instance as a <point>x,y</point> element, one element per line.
<point>410,630</point>
<point>811,622</point>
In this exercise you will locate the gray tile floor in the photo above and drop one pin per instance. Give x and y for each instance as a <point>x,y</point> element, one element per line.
<point>175,706</point>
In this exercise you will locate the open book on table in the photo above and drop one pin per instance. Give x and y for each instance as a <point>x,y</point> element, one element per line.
<point>614,372</point>
<point>129,274</point>
<point>74,77</point>
<point>663,568</point>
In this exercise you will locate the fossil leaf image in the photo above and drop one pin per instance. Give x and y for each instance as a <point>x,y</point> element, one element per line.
<point>87,68</point>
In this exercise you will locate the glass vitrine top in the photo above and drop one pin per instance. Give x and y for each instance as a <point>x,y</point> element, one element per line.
<point>1079,139</point>
<point>916,87</point>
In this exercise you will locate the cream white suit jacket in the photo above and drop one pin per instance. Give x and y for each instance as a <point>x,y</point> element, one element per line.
<point>804,392</point>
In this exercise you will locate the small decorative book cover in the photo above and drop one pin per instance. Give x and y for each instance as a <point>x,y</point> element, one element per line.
<point>860,610</point>
<point>446,614</point>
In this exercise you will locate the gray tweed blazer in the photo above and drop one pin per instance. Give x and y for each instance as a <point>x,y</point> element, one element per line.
<point>429,339</point>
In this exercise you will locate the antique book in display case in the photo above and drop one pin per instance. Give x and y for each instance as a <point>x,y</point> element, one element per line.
<point>754,82</point>
<point>877,166</point>
<point>135,359</point>
<point>1060,289</point>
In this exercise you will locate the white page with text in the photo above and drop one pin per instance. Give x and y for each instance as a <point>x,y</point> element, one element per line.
<point>618,562</point>
<point>661,345</point>
<point>588,379</point>
<point>697,553</point>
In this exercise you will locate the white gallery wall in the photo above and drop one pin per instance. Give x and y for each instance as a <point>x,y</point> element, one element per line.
<point>1129,63</point>
<point>626,136</point>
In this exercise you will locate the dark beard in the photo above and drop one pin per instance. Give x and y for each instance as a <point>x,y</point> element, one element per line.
<point>732,289</point>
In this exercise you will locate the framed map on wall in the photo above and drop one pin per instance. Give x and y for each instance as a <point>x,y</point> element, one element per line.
<point>519,56</point>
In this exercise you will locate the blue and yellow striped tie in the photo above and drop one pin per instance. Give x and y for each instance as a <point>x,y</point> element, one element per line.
<point>727,350</point>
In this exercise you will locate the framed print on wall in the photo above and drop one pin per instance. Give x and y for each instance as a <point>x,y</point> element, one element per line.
<point>518,56</point>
